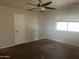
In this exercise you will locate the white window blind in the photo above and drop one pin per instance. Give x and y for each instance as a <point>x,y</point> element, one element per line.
<point>67,26</point>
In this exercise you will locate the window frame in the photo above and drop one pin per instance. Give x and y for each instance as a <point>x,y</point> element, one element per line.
<point>67,30</point>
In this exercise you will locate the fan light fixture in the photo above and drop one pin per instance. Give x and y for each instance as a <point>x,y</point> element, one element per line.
<point>41,8</point>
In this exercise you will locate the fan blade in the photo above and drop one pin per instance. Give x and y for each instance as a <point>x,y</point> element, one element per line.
<point>32,9</point>
<point>31,4</point>
<point>40,1</point>
<point>47,3</point>
<point>50,8</point>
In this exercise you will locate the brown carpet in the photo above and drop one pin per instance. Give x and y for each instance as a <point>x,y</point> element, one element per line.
<point>41,49</point>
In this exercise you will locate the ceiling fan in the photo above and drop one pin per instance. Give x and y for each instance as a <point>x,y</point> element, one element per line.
<point>41,6</point>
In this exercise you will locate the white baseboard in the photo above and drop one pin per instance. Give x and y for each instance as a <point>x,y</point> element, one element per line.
<point>6,46</point>
<point>17,44</point>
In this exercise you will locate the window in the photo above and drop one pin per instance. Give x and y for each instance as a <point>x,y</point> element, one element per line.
<point>67,26</point>
<point>62,26</point>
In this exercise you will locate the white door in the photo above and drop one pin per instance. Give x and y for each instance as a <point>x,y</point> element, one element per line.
<point>19,28</point>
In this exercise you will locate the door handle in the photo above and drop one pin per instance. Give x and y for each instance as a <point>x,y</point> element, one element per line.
<point>16,31</point>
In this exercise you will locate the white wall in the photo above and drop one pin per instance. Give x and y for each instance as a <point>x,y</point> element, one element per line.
<point>68,37</point>
<point>48,26</point>
<point>7,25</point>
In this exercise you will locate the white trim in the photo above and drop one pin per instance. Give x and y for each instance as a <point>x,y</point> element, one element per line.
<point>16,44</point>
<point>6,46</point>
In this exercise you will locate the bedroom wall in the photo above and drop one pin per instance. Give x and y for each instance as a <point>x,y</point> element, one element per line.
<point>50,32</point>
<point>7,37</point>
<point>46,25</point>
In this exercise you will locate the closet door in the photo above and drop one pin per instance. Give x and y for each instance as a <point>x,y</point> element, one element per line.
<point>19,28</point>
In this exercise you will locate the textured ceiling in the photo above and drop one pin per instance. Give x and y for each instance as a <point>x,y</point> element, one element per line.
<point>23,5</point>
